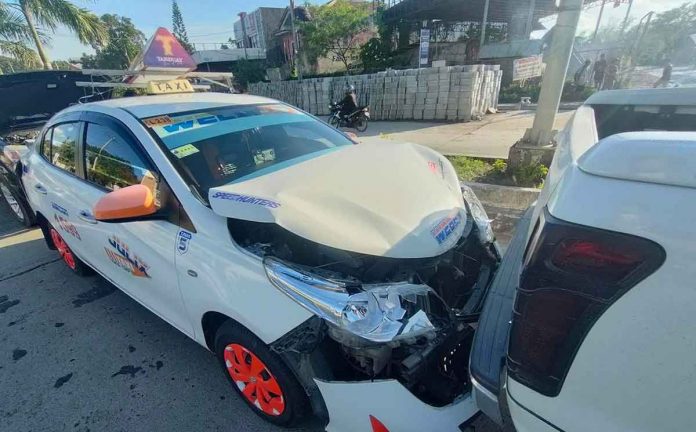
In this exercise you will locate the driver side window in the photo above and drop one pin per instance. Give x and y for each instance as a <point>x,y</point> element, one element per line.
<point>112,162</point>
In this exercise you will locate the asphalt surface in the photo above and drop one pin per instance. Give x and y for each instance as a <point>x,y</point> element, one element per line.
<point>77,354</point>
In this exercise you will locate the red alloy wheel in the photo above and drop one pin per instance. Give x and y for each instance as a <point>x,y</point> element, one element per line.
<point>63,249</point>
<point>254,380</point>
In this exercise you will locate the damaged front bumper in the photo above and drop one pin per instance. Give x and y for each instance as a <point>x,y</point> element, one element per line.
<point>419,386</point>
<point>397,347</point>
<point>389,402</point>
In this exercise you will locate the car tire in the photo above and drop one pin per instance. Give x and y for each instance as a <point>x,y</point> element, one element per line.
<point>248,361</point>
<point>18,207</point>
<point>69,258</point>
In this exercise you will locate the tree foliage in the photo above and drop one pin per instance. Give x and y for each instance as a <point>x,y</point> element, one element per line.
<point>334,31</point>
<point>124,43</point>
<point>667,33</point>
<point>39,16</point>
<point>179,28</point>
<point>14,39</point>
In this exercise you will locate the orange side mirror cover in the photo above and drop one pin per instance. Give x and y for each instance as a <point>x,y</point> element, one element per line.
<point>129,202</point>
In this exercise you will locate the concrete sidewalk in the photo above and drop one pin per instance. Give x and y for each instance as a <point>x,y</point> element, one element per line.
<point>491,137</point>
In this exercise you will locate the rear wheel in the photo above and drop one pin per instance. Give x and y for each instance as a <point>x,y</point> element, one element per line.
<point>259,376</point>
<point>74,263</point>
<point>19,209</point>
<point>361,123</point>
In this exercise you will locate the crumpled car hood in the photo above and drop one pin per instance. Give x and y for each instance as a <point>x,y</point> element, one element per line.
<point>386,199</point>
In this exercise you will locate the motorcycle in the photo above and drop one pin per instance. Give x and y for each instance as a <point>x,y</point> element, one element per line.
<point>357,120</point>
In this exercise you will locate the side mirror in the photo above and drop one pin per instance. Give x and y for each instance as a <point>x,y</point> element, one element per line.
<point>125,204</point>
<point>353,137</point>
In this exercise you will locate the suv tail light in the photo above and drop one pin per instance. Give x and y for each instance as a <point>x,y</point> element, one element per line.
<point>572,274</point>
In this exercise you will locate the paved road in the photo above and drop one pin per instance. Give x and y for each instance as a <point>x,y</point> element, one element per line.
<point>491,137</point>
<point>79,355</point>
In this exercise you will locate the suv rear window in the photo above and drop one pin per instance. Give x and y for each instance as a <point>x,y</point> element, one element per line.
<point>615,119</point>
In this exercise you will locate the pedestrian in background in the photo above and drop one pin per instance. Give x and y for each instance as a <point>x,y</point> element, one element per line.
<point>581,74</point>
<point>611,74</point>
<point>666,75</point>
<point>598,71</point>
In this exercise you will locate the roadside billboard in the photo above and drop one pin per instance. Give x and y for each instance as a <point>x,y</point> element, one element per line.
<point>527,67</point>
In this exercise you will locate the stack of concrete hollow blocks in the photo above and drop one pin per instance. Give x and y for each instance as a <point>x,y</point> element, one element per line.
<point>453,93</point>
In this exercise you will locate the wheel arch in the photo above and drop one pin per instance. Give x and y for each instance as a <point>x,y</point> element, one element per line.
<point>45,226</point>
<point>211,321</point>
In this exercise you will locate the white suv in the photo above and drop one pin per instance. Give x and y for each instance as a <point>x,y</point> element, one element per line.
<point>589,325</point>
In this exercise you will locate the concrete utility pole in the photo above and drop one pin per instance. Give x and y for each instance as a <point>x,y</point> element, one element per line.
<point>295,42</point>
<point>599,20</point>
<point>538,143</point>
<point>484,24</point>
<point>530,18</point>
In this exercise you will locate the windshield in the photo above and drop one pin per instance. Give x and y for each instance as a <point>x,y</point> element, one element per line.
<point>238,143</point>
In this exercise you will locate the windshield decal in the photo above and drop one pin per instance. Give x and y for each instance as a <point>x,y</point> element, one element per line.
<point>157,121</point>
<point>245,199</point>
<point>263,156</point>
<point>185,150</point>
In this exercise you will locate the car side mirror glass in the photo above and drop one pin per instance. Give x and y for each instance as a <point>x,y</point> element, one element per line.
<point>125,204</point>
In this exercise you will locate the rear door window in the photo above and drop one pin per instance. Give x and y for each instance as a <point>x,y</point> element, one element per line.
<point>46,145</point>
<point>60,146</point>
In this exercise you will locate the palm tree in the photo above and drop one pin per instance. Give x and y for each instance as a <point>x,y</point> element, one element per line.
<point>49,14</point>
<point>14,35</point>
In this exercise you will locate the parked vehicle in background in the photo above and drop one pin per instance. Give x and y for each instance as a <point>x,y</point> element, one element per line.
<point>589,322</point>
<point>11,189</point>
<point>358,120</point>
<point>240,221</point>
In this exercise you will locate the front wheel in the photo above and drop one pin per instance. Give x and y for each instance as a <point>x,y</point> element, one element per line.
<point>259,376</point>
<point>361,123</point>
<point>334,121</point>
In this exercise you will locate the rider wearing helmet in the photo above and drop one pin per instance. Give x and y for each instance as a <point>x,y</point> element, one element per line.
<point>349,104</point>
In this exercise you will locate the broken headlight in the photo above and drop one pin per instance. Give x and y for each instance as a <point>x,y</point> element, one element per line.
<point>378,313</point>
<point>478,213</point>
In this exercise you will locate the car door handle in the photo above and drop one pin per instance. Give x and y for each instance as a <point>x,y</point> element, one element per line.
<point>87,217</point>
<point>40,189</point>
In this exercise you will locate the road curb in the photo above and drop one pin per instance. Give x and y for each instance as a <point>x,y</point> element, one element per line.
<point>507,197</point>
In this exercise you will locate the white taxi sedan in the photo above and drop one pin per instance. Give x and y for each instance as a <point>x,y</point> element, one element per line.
<point>329,278</point>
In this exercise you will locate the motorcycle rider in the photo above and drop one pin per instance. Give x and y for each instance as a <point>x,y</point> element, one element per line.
<point>349,104</point>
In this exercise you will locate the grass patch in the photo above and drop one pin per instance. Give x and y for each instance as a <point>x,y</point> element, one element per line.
<point>497,172</point>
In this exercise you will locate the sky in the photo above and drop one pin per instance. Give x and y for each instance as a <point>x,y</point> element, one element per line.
<point>205,20</point>
<point>212,20</point>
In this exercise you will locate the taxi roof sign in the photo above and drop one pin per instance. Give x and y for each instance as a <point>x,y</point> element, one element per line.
<point>164,52</point>
<point>168,87</point>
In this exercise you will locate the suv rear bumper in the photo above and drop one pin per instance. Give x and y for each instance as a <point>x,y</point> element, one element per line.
<point>489,349</point>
